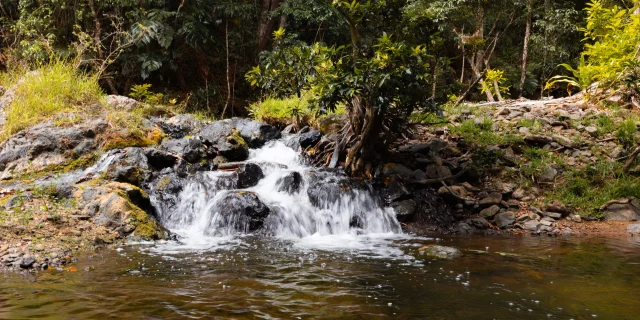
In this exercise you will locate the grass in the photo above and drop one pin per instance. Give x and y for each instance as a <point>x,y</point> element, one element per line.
<point>53,91</point>
<point>281,112</point>
<point>482,134</point>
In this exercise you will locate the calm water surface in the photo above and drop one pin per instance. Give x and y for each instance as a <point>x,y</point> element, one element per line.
<point>248,278</point>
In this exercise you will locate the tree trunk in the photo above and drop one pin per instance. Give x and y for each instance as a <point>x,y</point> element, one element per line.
<point>97,38</point>
<point>496,85</point>
<point>525,48</point>
<point>265,24</point>
<point>363,155</point>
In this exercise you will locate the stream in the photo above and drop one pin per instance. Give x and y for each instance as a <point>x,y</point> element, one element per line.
<point>303,243</point>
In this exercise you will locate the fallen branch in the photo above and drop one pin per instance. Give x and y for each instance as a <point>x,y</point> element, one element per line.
<point>230,165</point>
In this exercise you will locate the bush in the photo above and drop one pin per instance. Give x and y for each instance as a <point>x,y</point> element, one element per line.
<point>56,89</point>
<point>280,112</point>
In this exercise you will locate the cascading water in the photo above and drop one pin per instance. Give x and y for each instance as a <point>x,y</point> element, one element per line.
<point>300,203</point>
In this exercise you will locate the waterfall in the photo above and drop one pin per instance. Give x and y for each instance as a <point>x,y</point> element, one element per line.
<point>302,202</point>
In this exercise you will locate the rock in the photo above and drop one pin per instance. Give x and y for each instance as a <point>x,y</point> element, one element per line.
<point>622,210</point>
<point>548,176</point>
<point>558,207</point>
<point>326,189</point>
<point>531,225</point>
<point>574,218</point>
<point>405,210</point>
<point>564,141</point>
<point>130,165</point>
<point>553,215</point>
<point>256,134</point>
<point>490,212</point>
<point>290,183</point>
<point>249,175</point>
<point>180,126</point>
<point>537,139</point>
<point>159,159</point>
<point>121,102</point>
<point>592,131</point>
<point>395,191</point>
<point>504,219</point>
<point>464,228</point>
<point>226,140</point>
<point>435,171</point>
<point>392,169</point>
<point>490,200</point>
<point>633,228</point>
<point>121,207</point>
<point>441,252</point>
<point>237,212</point>
<point>310,138</point>
<point>332,124</point>
<point>480,223</point>
<point>27,262</point>
<point>191,150</point>
<point>453,194</point>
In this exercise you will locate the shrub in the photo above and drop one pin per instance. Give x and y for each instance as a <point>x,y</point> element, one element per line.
<point>53,90</point>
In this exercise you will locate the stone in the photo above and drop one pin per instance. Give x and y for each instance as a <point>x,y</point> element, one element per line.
<point>504,219</point>
<point>519,194</point>
<point>225,139</point>
<point>160,159</point>
<point>254,133</point>
<point>622,210</point>
<point>405,210</point>
<point>27,262</point>
<point>537,139</point>
<point>531,225</point>
<point>490,212</point>
<point>574,218</point>
<point>633,228</point>
<point>548,176</point>
<point>395,191</point>
<point>290,183</point>
<point>326,189</point>
<point>440,252</point>
<point>310,139</point>
<point>564,141</point>
<point>490,200</point>
<point>558,207</point>
<point>435,171</point>
<point>453,194</point>
<point>249,175</point>
<point>121,102</point>
<point>393,169</point>
<point>592,131</point>
<point>180,126</point>
<point>242,212</point>
<point>480,223</point>
<point>553,215</point>
<point>464,228</point>
<point>130,165</point>
<point>191,150</point>
<point>332,124</point>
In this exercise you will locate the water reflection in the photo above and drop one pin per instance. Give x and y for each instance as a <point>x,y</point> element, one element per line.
<point>501,278</point>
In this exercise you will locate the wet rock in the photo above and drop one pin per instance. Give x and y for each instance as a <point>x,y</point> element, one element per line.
<point>325,189</point>
<point>27,262</point>
<point>256,134</point>
<point>159,159</point>
<point>237,212</point>
<point>490,212</point>
<point>558,207</point>
<point>622,210</point>
<point>464,228</point>
<point>490,200</point>
<point>395,191</point>
<point>191,150</point>
<point>223,137</point>
<point>180,126</point>
<point>332,124</point>
<point>549,175</point>
<point>310,138</point>
<point>633,228</point>
<point>441,252</point>
<point>130,165</point>
<point>480,223</point>
<point>249,175</point>
<point>121,207</point>
<point>290,183</point>
<point>405,210</point>
<point>504,219</point>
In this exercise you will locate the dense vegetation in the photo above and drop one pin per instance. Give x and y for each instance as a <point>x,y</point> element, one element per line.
<point>379,60</point>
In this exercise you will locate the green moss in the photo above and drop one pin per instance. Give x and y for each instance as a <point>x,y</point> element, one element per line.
<point>82,162</point>
<point>236,139</point>
<point>145,227</point>
<point>132,139</point>
<point>163,183</point>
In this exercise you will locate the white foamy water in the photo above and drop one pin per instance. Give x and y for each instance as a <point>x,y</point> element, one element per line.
<point>325,211</point>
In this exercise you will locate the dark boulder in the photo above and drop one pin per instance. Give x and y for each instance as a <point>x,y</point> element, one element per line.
<point>256,134</point>
<point>395,191</point>
<point>180,126</point>
<point>310,138</point>
<point>290,183</point>
<point>326,189</point>
<point>249,175</point>
<point>130,165</point>
<point>159,159</point>
<point>238,212</point>
<point>191,150</point>
<point>223,137</point>
<point>405,210</point>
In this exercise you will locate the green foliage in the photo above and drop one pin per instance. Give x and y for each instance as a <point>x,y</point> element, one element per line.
<point>626,133</point>
<point>143,93</point>
<point>281,111</point>
<point>53,90</point>
<point>482,134</point>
